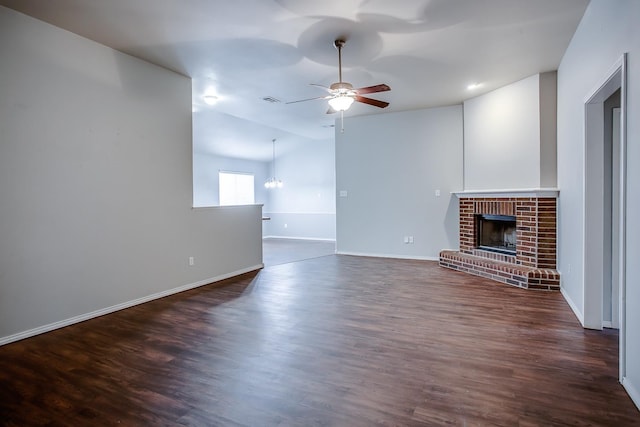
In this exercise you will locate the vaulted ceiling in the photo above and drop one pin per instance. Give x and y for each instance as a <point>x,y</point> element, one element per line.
<point>428,51</point>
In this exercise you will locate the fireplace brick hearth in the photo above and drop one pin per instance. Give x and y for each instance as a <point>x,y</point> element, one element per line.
<point>534,265</point>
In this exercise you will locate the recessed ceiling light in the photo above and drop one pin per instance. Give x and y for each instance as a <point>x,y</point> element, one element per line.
<point>473,86</point>
<point>210,99</point>
<point>210,96</point>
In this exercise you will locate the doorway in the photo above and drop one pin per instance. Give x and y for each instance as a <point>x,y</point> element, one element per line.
<point>611,205</point>
<point>604,205</point>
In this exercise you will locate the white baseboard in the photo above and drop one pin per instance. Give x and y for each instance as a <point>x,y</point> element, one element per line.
<point>101,312</point>
<point>632,390</point>
<point>318,239</point>
<point>573,306</point>
<point>395,256</point>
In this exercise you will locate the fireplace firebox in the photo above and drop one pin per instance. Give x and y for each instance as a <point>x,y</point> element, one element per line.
<point>496,233</point>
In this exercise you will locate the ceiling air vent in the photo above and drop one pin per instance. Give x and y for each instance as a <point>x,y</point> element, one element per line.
<point>271,99</point>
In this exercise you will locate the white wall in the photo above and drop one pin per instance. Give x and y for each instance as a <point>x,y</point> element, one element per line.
<point>607,30</point>
<point>96,183</point>
<point>390,165</point>
<point>305,206</point>
<point>205,177</point>
<point>509,136</point>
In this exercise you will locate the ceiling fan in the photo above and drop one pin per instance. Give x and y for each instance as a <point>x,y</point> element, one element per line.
<point>342,94</point>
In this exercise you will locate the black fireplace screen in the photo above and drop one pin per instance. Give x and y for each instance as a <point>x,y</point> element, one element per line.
<point>496,233</point>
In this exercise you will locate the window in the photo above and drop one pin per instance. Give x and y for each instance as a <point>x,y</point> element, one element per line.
<point>236,188</point>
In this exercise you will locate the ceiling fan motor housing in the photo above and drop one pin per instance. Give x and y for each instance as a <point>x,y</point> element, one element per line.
<point>341,87</point>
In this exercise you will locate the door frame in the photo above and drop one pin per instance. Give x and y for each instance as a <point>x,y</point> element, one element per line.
<point>593,188</point>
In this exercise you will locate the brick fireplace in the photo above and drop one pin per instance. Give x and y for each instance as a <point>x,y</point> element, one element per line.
<point>533,266</point>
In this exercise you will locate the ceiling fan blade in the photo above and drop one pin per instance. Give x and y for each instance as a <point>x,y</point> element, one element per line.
<point>320,86</point>
<point>372,89</point>
<point>370,101</point>
<point>308,99</point>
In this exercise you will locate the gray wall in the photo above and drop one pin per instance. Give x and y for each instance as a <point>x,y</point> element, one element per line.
<point>305,206</point>
<point>607,30</point>
<point>390,165</point>
<point>96,184</point>
<point>509,136</point>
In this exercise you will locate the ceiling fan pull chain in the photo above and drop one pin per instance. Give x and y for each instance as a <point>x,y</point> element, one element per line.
<point>342,121</point>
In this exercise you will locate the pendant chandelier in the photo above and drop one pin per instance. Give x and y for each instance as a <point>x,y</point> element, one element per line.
<point>273,182</point>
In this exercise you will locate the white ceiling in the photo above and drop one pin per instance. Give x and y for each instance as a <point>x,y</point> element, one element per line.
<point>428,51</point>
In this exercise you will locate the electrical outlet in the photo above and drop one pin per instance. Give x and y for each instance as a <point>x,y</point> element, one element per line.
<point>191,261</point>
<point>411,239</point>
<point>437,193</point>
<point>406,239</point>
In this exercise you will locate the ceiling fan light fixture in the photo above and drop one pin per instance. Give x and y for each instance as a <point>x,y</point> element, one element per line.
<point>341,102</point>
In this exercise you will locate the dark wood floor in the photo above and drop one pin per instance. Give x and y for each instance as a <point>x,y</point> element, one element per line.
<point>337,341</point>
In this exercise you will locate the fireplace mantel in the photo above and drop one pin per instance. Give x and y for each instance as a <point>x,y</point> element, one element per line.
<point>508,193</point>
